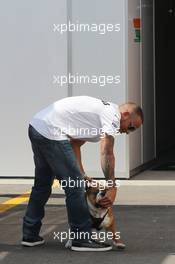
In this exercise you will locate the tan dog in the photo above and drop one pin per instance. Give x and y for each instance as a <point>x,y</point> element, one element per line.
<point>102,218</point>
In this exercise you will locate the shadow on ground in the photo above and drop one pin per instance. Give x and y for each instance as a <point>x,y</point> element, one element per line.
<point>148,232</point>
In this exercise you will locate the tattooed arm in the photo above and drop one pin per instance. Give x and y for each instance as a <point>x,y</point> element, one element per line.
<point>107,157</point>
<point>108,166</point>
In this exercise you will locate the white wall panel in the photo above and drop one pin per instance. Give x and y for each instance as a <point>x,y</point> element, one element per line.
<point>95,54</point>
<point>134,80</point>
<point>31,53</point>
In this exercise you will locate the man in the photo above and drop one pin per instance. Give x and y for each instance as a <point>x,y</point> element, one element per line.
<point>57,134</point>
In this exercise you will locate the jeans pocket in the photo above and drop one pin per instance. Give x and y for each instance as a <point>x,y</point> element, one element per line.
<point>34,134</point>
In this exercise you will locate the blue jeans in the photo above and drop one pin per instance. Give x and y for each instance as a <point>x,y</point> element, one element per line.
<point>55,159</point>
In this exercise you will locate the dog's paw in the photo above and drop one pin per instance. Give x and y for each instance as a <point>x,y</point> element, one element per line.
<point>119,245</point>
<point>68,244</point>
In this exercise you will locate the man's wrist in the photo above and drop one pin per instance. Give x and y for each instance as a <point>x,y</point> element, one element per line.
<point>111,183</point>
<point>112,188</point>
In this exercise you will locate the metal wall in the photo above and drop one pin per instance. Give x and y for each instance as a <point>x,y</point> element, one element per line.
<point>31,53</point>
<point>96,54</point>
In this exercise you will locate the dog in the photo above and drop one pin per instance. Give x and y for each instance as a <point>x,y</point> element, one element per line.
<point>102,218</point>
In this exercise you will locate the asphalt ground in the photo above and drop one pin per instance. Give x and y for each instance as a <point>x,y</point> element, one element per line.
<point>148,230</point>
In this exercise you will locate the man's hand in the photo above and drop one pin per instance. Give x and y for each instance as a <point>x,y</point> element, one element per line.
<point>109,198</point>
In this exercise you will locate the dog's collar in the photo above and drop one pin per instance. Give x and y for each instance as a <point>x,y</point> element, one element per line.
<point>96,222</point>
<point>97,212</point>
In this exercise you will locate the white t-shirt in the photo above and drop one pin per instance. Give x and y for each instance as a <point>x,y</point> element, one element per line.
<point>80,117</point>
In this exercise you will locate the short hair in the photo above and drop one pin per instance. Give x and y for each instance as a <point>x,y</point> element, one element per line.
<point>137,110</point>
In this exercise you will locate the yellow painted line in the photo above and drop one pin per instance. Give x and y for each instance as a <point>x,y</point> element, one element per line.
<point>56,184</point>
<point>14,202</point>
<point>7,205</point>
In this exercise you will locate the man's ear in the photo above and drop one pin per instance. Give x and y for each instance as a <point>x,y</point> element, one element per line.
<point>126,115</point>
